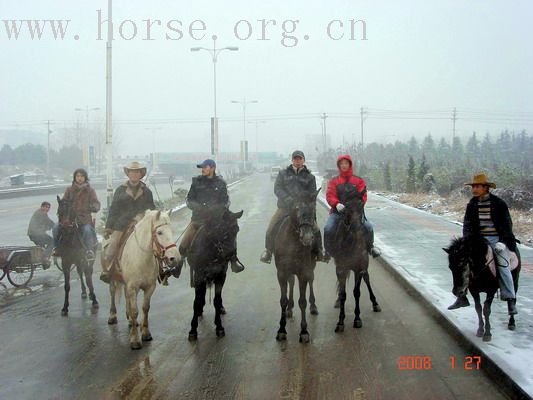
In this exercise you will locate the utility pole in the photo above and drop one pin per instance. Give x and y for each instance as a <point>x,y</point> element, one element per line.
<point>324,133</point>
<point>108,120</point>
<point>363,113</point>
<point>454,118</point>
<point>49,132</point>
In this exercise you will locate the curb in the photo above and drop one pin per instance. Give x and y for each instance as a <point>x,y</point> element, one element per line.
<point>506,383</point>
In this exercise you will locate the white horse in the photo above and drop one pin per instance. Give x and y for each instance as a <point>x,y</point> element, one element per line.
<point>150,243</point>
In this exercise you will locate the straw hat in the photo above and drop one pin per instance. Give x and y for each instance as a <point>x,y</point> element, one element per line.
<point>481,179</point>
<point>135,166</point>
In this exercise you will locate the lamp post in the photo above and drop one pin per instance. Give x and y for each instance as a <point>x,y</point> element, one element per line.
<point>257,122</point>
<point>244,143</point>
<point>87,110</point>
<point>214,52</point>
<point>49,131</point>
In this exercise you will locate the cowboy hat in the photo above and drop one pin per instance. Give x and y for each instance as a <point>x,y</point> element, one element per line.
<point>135,166</point>
<point>481,179</point>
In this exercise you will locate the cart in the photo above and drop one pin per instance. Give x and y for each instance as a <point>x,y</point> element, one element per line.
<point>18,263</point>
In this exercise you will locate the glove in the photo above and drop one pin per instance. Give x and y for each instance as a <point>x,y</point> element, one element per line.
<point>340,207</point>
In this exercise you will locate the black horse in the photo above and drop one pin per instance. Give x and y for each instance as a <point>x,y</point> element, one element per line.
<point>293,256</point>
<point>209,255</point>
<point>350,254</point>
<point>470,271</point>
<point>73,252</point>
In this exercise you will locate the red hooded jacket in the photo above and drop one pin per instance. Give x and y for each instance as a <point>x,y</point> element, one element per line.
<point>343,178</point>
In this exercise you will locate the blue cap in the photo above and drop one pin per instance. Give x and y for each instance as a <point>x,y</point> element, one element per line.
<point>207,163</point>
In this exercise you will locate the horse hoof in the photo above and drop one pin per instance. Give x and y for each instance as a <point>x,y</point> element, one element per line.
<point>135,345</point>
<point>339,328</point>
<point>193,337</point>
<point>95,305</point>
<point>64,313</point>
<point>281,336</point>
<point>221,332</point>
<point>314,311</point>
<point>337,304</point>
<point>288,314</point>
<point>112,320</point>
<point>84,295</point>
<point>222,311</point>
<point>480,333</point>
<point>358,323</point>
<point>146,338</point>
<point>487,338</point>
<point>376,308</point>
<point>511,327</point>
<point>304,338</point>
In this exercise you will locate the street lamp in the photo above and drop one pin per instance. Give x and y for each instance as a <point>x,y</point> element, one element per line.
<point>244,150</point>
<point>86,141</point>
<point>214,52</point>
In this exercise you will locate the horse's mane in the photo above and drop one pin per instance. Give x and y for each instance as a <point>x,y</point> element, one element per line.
<point>474,245</point>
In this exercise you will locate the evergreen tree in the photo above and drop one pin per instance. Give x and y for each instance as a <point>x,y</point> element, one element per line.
<point>410,186</point>
<point>387,179</point>
<point>423,169</point>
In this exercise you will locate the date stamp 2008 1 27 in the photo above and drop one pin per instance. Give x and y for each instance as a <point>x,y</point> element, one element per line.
<point>425,363</point>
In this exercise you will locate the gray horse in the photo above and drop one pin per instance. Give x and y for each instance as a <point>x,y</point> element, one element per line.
<point>293,256</point>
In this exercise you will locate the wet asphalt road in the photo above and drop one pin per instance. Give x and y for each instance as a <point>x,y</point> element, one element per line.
<point>46,356</point>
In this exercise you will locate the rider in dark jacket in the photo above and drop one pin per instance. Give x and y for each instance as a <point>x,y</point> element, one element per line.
<point>207,196</point>
<point>291,183</point>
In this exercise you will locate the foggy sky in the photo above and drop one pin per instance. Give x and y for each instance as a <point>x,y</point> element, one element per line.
<point>418,56</point>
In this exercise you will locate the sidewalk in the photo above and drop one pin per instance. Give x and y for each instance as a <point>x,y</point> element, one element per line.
<point>411,241</point>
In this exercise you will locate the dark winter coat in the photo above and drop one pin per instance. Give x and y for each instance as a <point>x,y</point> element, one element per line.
<point>126,205</point>
<point>205,195</point>
<point>499,213</point>
<point>39,223</point>
<point>84,202</point>
<point>291,185</point>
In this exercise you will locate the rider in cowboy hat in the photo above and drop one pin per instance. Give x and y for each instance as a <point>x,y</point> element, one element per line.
<point>488,215</point>
<point>130,199</point>
<point>207,195</point>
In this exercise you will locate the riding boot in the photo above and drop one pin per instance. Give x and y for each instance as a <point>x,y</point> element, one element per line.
<point>461,301</point>
<point>236,265</point>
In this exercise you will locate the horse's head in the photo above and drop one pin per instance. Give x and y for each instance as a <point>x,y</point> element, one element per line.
<point>354,209</point>
<point>163,238</point>
<point>64,212</point>
<point>303,214</point>
<point>460,263</point>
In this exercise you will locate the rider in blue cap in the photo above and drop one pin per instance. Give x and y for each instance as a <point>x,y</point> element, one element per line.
<point>208,195</point>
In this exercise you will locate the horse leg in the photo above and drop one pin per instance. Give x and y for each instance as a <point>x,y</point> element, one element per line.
<point>357,323</point>
<point>375,305</point>
<point>341,297</point>
<point>145,330</point>
<point>198,306</point>
<point>283,281</point>
<point>113,309</point>
<point>66,275</point>
<point>89,280</point>
<point>290,304</point>
<point>481,324</point>
<point>302,302</point>
<point>511,324</point>
<point>83,288</point>
<point>132,292</point>
<point>486,312</point>
<point>312,308</point>
<point>217,302</point>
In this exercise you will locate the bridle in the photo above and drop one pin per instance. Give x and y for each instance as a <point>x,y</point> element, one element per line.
<point>158,250</point>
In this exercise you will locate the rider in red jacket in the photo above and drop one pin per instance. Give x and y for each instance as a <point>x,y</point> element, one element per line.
<point>335,198</point>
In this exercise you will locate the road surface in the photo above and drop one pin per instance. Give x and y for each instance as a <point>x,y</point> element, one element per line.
<point>45,355</point>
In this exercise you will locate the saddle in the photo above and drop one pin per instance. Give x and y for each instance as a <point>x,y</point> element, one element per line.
<point>114,265</point>
<point>490,261</point>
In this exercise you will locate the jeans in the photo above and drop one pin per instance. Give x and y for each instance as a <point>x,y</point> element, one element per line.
<point>503,260</point>
<point>44,240</point>
<point>87,232</point>
<point>331,228</point>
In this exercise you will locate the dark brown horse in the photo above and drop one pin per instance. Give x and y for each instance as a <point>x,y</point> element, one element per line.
<point>470,272</point>
<point>293,256</point>
<point>350,254</point>
<point>73,252</point>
